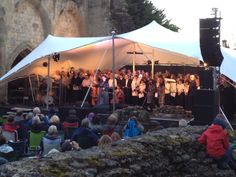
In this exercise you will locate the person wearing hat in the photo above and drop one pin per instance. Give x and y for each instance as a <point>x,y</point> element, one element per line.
<point>216,140</point>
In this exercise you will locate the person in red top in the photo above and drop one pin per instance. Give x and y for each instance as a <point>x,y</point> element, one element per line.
<point>216,140</point>
<point>10,125</point>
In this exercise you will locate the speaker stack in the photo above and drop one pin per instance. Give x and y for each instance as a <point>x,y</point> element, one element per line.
<point>206,100</point>
<point>206,106</point>
<point>208,78</point>
<point>210,41</point>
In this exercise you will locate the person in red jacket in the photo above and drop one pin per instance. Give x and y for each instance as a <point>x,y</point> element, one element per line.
<point>216,140</point>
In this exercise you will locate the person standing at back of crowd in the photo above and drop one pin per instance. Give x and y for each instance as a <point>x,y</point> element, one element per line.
<point>186,89</point>
<point>85,86</point>
<point>142,92</point>
<point>103,96</point>
<point>160,85</point>
<point>167,92</point>
<point>173,90</point>
<point>191,91</point>
<point>127,89</point>
<point>150,95</point>
<point>134,87</point>
<point>74,87</point>
<point>180,92</point>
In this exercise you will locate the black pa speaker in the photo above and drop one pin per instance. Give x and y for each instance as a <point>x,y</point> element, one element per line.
<point>207,79</point>
<point>210,41</point>
<point>206,105</point>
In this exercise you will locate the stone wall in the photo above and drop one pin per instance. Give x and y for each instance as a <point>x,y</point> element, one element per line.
<point>172,152</point>
<point>26,23</point>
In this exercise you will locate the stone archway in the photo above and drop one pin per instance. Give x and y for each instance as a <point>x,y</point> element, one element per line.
<point>18,88</point>
<point>20,56</point>
<point>46,23</point>
<point>2,38</point>
<point>19,53</point>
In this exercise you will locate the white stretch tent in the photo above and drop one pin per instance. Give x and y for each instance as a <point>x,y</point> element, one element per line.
<point>153,41</point>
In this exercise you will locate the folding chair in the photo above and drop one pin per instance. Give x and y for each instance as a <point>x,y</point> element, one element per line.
<point>35,140</point>
<point>50,144</point>
<point>10,156</point>
<point>19,147</point>
<point>69,129</point>
<point>10,136</point>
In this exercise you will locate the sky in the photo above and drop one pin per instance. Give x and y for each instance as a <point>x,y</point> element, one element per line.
<point>186,14</point>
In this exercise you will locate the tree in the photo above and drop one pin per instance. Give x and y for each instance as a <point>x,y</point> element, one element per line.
<point>138,13</point>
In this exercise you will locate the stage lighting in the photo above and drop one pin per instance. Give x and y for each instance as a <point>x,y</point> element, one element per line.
<point>45,64</point>
<point>205,64</point>
<point>149,62</point>
<point>156,62</point>
<point>56,57</point>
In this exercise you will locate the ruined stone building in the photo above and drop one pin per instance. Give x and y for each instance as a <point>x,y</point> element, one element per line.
<point>26,23</point>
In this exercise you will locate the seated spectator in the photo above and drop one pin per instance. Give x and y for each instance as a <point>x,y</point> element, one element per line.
<point>19,115</point>
<point>4,147</point>
<point>72,120</point>
<point>37,126</point>
<point>24,126</point>
<point>217,142</point>
<point>51,141</point>
<point>111,124</point>
<point>43,118</point>
<point>10,125</point>
<point>55,120</point>
<point>95,125</point>
<point>133,127</point>
<point>104,140</point>
<point>84,136</point>
<point>69,145</point>
<point>115,137</point>
<point>90,117</point>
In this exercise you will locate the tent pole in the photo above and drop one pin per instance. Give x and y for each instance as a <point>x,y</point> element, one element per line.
<point>31,89</point>
<point>153,55</point>
<point>134,59</point>
<point>48,85</point>
<point>226,119</point>
<point>85,97</point>
<point>113,69</point>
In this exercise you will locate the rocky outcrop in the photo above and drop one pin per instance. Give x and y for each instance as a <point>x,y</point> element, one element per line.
<point>172,152</point>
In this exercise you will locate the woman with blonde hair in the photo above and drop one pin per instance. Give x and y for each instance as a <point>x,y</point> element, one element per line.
<point>55,120</point>
<point>104,140</point>
<point>51,141</point>
<point>115,137</point>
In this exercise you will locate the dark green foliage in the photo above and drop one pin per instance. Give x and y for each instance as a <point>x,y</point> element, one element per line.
<point>136,14</point>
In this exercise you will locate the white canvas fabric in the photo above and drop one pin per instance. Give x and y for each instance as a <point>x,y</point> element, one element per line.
<point>151,42</point>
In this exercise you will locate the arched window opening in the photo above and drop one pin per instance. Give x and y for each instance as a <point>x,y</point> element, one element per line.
<point>18,90</point>
<point>20,56</point>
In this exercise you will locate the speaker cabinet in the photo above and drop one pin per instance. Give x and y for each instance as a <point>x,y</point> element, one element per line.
<point>207,79</point>
<point>206,105</point>
<point>210,41</point>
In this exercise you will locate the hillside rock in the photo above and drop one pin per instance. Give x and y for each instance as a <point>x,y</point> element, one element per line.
<point>171,152</point>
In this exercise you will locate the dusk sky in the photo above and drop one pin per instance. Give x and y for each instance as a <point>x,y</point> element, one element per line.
<point>186,14</point>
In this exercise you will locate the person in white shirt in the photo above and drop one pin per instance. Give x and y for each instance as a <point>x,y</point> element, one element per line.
<point>173,90</point>
<point>180,92</point>
<point>167,91</point>
<point>142,92</point>
<point>85,86</point>
<point>134,87</point>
